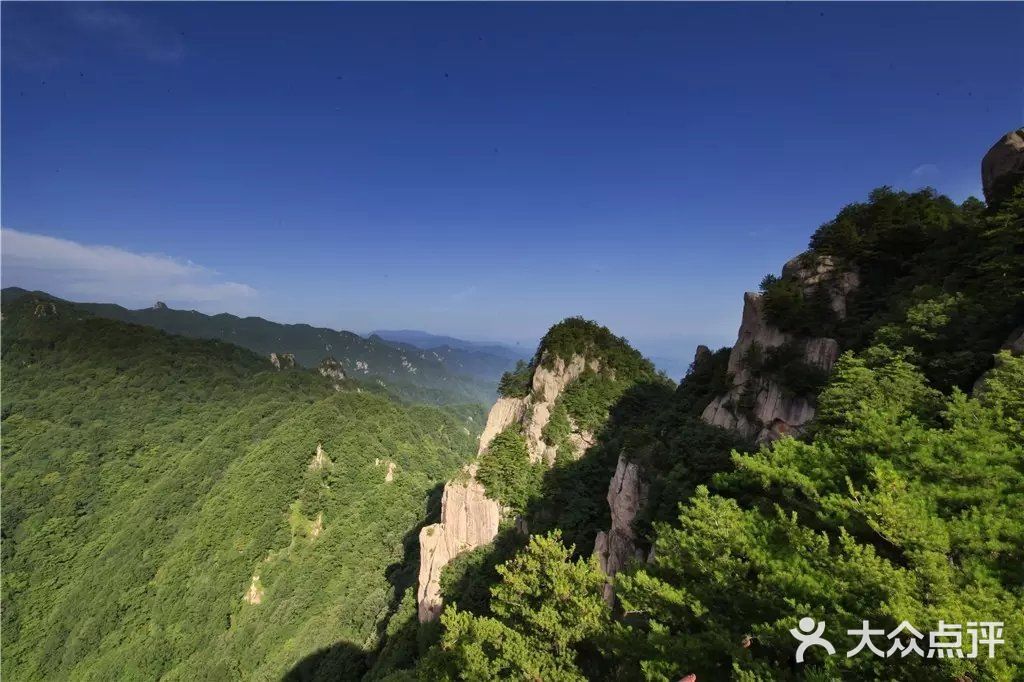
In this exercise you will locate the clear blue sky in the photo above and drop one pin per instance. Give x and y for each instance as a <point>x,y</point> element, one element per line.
<point>476,169</point>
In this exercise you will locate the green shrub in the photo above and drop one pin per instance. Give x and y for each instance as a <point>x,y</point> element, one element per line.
<point>515,383</point>
<point>506,472</point>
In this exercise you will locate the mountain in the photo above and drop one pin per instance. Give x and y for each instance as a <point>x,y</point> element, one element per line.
<point>413,375</point>
<point>483,361</point>
<point>428,341</point>
<point>857,455</point>
<point>179,509</point>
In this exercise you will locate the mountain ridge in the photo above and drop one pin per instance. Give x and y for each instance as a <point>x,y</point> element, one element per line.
<point>417,376</point>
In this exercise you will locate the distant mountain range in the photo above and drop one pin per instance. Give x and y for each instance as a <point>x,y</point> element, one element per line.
<point>445,374</point>
<point>428,341</point>
<point>482,360</point>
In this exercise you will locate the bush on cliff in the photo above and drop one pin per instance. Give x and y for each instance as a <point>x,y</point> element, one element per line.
<point>506,472</point>
<point>906,506</point>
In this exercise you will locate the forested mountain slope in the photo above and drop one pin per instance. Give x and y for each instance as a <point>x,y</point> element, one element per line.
<point>857,455</point>
<point>413,374</point>
<point>178,509</point>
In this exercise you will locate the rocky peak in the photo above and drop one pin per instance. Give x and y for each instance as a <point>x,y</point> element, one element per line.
<point>282,360</point>
<point>757,406</point>
<point>1003,166</point>
<point>469,518</point>
<point>332,369</point>
<point>627,495</point>
<point>702,356</point>
<point>159,305</point>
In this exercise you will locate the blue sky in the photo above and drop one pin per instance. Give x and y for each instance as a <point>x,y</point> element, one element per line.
<point>476,169</point>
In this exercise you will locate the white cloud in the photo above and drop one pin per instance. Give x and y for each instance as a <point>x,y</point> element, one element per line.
<point>926,171</point>
<point>87,272</point>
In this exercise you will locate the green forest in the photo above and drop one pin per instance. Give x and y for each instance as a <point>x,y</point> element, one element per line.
<point>439,376</point>
<point>178,509</point>
<point>902,501</point>
<point>155,487</point>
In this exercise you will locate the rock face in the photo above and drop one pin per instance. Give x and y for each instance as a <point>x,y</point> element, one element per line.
<point>548,384</point>
<point>757,407</point>
<point>159,305</point>
<point>504,413</point>
<point>45,309</point>
<point>254,595</point>
<point>332,369</point>
<point>534,411</point>
<point>822,271</point>
<point>282,360</point>
<point>627,494</point>
<point>320,460</point>
<point>1003,166</point>
<point>469,519</point>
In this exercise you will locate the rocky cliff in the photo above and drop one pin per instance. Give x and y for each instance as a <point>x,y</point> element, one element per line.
<point>627,494</point>
<point>469,518</point>
<point>759,406</point>
<point>548,384</point>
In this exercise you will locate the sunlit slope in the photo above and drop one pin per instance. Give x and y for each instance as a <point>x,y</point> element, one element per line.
<point>148,479</point>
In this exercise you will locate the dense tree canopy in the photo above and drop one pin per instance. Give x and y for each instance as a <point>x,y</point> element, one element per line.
<point>156,487</point>
<point>902,501</point>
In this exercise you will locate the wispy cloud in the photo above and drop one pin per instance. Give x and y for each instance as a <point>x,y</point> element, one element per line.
<point>39,37</point>
<point>131,32</point>
<point>925,172</point>
<point>88,272</point>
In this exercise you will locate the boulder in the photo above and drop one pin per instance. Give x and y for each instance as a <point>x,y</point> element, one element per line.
<point>1003,166</point>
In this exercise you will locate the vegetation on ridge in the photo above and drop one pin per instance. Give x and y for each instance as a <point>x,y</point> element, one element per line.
<point>902,502</point>
<point>151,482</point>
<point>943,279</point>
